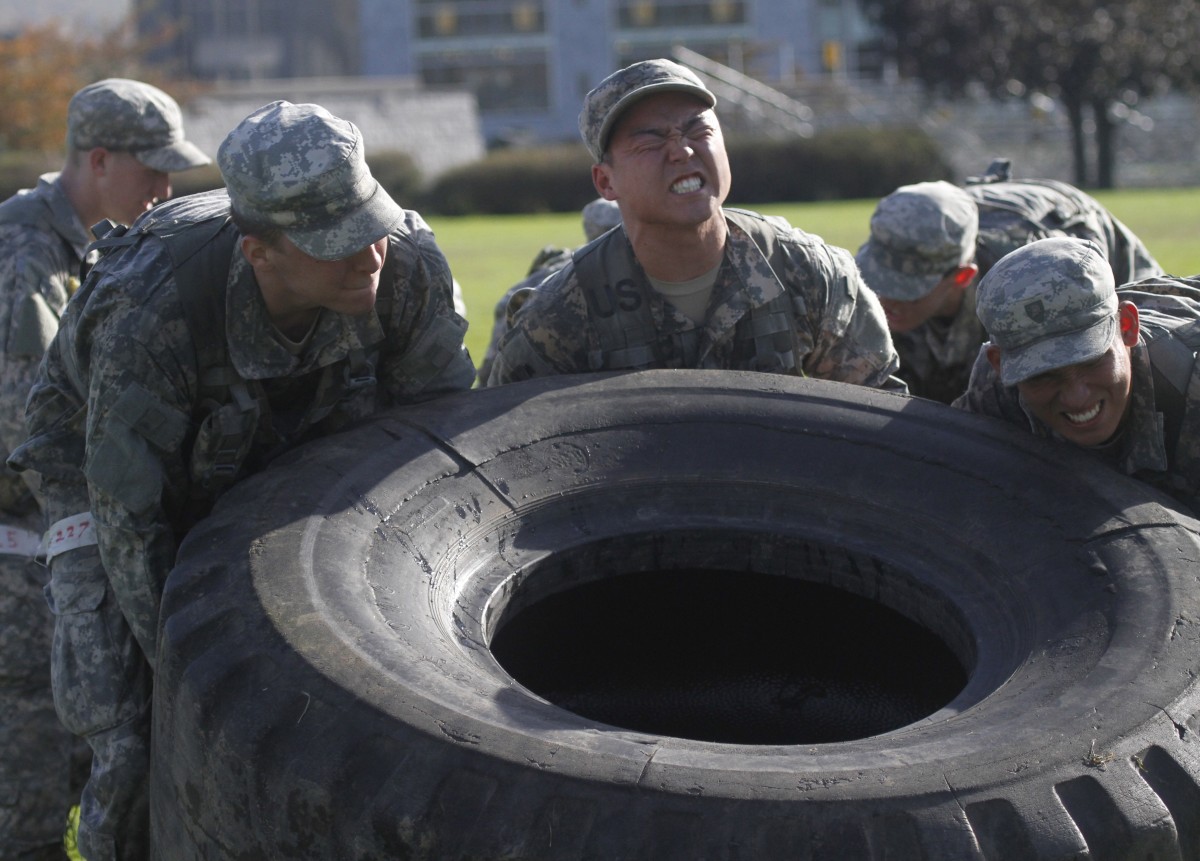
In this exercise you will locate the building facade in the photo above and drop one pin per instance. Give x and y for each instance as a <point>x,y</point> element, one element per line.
<point>528,62</point>
<point>246,40</point>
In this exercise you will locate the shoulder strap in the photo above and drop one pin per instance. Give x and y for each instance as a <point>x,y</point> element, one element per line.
<point>230,403</point>
<point>24,207</point>
<point>1172,360</point>
<point>765,335</point>
<point>201,239</point>
<point>620,314</point>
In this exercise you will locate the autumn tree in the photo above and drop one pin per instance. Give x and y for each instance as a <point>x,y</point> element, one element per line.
<point>1094,57</point>
<point>41,67</point>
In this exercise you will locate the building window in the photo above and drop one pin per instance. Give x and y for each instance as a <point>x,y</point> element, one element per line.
<point>643,14</point>
<point>442,19</point>
<point>727,12</point>
<point>502,80</point>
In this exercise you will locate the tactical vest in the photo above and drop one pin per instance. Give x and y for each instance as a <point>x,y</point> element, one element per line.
<point>626,334</point>
<point>228,414</point>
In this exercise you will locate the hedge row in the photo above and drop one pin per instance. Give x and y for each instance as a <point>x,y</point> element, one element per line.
<point>850,163</point>
<point>838,164</point>
<point>843,163</point>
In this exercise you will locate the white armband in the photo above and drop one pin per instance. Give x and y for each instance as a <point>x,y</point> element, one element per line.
<point>15,541</point>
<point>78,530</point>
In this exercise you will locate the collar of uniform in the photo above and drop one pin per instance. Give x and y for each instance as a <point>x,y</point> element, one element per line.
<point>63,216</point>
<point>958,343</point>
<point>257,355</point>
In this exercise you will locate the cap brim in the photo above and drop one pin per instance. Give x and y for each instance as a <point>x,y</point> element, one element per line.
<point>889,283</point>
<point>615,112</point>
<point>1059,351</point>
<point>350,233</point>
<point>180,155</point>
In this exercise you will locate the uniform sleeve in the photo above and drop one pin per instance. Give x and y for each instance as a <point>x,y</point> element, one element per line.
<point>138,414</point>
<point>987,396</point>
<point>33,292</point>
<point>851,341</point>
<point>427,357</point>
<point>547,333</point>
<point>508,305</point>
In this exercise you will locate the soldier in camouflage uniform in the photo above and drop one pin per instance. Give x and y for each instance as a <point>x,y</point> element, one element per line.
<point>685,282</point>
<point>1074,358</point>
<point>123,139</point>
<point>931,242</point>
<point>222,329</point>
<point>599,216</point>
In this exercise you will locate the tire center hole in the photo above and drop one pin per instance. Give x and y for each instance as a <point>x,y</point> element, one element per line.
<point>728,657</point>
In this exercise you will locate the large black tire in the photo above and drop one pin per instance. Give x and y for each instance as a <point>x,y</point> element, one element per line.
<point>327,686</point>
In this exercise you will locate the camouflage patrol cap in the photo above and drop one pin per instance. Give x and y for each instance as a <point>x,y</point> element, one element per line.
<point>919,233</point>
<point>130,116</point>
<point>302,170</point>
<point>1048,304</point>
<point>599,217</point>
<point>605,104</point>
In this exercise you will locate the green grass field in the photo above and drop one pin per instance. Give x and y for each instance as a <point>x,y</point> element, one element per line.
<point>490,254</point>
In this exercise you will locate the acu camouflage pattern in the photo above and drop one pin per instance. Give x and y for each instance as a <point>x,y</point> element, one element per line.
<point>1014,213</point>
<point>834,329</point>
<point>131,342</point>
<point>128,340</point>
<point>936,357</point>
<point>599,217</point>
<point>548,261</point>
<point>131,116</point>
<point>603,106</point>
<point>919,233</point>
<point>1048,304</point>
<point>42,245</point>
<point>1159,441</point>
<point>302,170</point>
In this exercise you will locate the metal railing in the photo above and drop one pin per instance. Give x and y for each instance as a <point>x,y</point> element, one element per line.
<point>764,106</point>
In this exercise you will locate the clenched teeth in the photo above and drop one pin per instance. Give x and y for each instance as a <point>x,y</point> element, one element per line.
<point>1085,416</point>
<point>687,184</point>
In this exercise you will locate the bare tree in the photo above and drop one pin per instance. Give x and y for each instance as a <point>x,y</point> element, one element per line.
<point>1094,57</point>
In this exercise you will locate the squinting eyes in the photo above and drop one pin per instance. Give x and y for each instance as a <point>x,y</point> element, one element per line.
<point>655,138</point>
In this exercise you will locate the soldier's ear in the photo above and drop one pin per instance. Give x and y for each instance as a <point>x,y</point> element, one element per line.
<point>254,250</point>
<point>964,275</point>
<point>603,181</point>
<point>993,356</point>
<point>97,159</point>
<point>1127,316</point>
